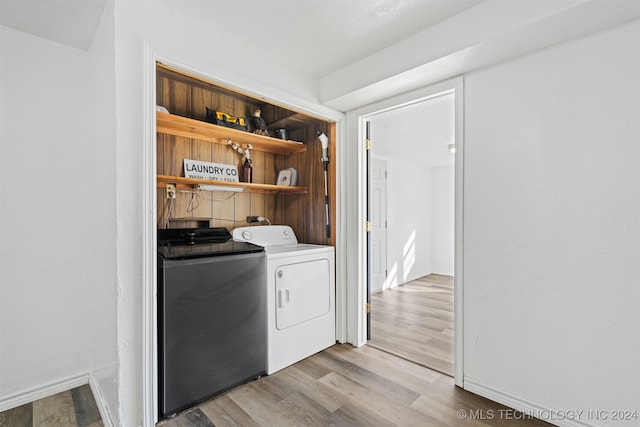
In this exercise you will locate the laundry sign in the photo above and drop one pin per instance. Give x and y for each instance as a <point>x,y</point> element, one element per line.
<point>210,171</point>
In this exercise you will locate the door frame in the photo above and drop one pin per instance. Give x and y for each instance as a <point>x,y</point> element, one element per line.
<point>356,316</point>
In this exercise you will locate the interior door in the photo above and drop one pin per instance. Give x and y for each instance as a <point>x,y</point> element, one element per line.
<point>378,252</point>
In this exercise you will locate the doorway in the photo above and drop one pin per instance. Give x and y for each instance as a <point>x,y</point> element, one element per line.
<point>412,232</point>
<point>408,267</point>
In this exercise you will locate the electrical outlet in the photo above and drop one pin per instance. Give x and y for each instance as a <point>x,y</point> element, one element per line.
<point>171,191</point>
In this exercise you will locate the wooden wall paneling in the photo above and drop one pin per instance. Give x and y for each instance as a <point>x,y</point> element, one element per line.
<point>161,207</point>
<point>223,203</point>
<point>273,113</point>
<point>201,150</point>
<point>176,151</point>
<point>200,99</point>
<point>241,201</point>
<point>247,204</point>
<point>301,211</point>
<point>172,150</point>
<point>194,80</point>
<point>176,148</point>
<point>245,109</point>
<point>162,87</point>
<point>268,113</point>
<point>306,204</point>
<point>161,200</point>
<point>199,111</point>
<point>314,203</point>
<point>270,178</point>
<point>271,173</point>
<point>189,97</point>
<point>280,200</point>
<point>319,193</point>
<point>293,213</point>
<point>223,208</point>
<point>317,188</point>
<point>226,104</point>
<point>307,212</point>
<point>203,206</point>
<point>222,213</point>
<point>178,98</point>
<point>242,209</point>
<point>160,145</point>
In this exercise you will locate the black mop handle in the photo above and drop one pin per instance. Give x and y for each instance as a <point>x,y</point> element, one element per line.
<point>325,165</point>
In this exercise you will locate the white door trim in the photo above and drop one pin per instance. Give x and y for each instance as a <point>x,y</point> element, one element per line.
<point>149,262</point>
<point>356,216</point>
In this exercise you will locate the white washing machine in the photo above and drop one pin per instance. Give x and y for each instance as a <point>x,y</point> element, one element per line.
<point>300,294</point>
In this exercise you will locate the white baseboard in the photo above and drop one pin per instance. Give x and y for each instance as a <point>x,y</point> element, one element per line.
<point>41,392</point>
<point>56,387</point>
<point>100,402</point>
<point>550,415</point>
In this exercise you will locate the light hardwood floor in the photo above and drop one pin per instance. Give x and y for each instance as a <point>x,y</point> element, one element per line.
<point>342,386</point>
<point>415,321</point>
<point>72,408</point>
<point>350,387</point>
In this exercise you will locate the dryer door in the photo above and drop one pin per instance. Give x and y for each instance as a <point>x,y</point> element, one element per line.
<point>302,292</point>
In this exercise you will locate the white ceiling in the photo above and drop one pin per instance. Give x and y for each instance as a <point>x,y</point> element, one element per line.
<point>70,22</point>
<point>318,36</point>
<point>350,46</point>
<point>419,134</point>
<point>359,51</point>
<point>314,36</point>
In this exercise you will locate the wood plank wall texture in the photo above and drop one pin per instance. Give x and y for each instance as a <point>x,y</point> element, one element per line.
<point>305,213</point>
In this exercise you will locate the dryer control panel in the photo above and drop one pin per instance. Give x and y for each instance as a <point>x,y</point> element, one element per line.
<point>266,235</point>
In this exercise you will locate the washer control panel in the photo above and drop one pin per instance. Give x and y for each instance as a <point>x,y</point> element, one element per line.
<point>266,235</point>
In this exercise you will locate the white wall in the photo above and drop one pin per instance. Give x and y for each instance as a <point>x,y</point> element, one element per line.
<point>551,250</point>
<point>409,234</point>
<point>44,236</point>
<point>489,33</point>
<point>420,215</point>
<point>57,276</point>
<point>102,213</point>
<point>442,220</point>
<point>200,45</point>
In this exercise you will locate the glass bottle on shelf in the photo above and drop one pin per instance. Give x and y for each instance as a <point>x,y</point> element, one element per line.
<point>247,171</point>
